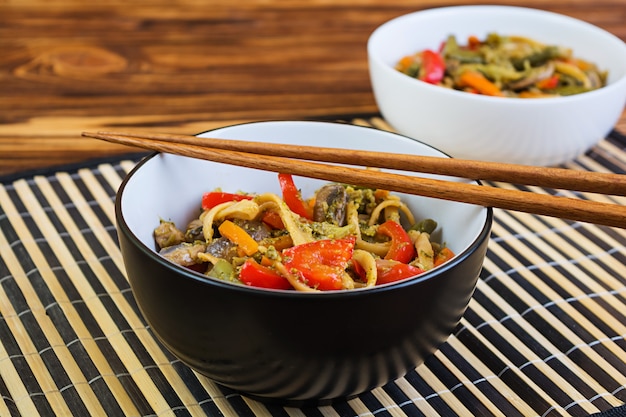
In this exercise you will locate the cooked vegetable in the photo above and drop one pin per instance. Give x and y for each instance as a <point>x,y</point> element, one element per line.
<point>272,219</point>
<point>425,251</point>
<point>391,271</point>
<point>238,236</point>
<point>477,81</point>
<point>433,67</point>
<point>443,256</point>
<point>213,198</point>
<point>330,204</point>
<point>262,276</point>
<point>168,235</point>
<point>222,269</point>
<point>401,249</point>
<point>354,238</point>
<point>320,264</point>
<point>185,254</point>
<point>504,66</point>
<point>292,197</point>
<point>223,248</point>
<point>426,225</point>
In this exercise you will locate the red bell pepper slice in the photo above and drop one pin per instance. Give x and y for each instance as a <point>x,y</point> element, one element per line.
<point>321,263</point>
<point>402,249</point>
<point>292,197</point>
<point>273,220</point>
<point>359,271</point>
<point>548,83</point>
<point>257,275</point>
<point>433,67</point>
<point>213,198</point>
<point>392,271</point>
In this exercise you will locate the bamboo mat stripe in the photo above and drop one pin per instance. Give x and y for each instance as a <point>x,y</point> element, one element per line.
<point>544,334</point>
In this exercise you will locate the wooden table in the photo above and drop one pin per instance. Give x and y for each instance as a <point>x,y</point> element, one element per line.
<point>184,66</point>
<point>544,334</point>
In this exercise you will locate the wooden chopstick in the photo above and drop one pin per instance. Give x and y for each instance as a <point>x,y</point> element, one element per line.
<point>567,179</point>
<point>563,207</point>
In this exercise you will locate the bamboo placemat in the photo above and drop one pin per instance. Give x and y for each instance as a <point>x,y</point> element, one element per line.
<point>543,335</point>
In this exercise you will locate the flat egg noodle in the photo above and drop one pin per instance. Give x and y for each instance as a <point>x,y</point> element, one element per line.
<point>298,235</point>
<point>368,263</point>
<point>395,202</point>
<point>208,216</point>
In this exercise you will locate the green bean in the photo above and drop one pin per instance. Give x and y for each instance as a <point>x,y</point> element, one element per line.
<point>536,59</point>
<point>425,226</point>
<point>451,50</point>
<point>570,90</point>
<point>223,270</point>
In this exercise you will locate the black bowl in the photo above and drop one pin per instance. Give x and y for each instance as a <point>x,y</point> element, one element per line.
<point>287,346</point>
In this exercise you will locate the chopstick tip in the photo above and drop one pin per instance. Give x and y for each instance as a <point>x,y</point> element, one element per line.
<point>98,135</point>
<point>91,134</point>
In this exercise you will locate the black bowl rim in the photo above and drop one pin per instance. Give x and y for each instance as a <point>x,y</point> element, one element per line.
<point>190,274</point>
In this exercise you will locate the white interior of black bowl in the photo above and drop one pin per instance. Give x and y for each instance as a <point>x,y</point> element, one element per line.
<point>170,187</point>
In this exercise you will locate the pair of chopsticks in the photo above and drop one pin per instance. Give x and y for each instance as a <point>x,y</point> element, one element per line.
<point>280,158</point>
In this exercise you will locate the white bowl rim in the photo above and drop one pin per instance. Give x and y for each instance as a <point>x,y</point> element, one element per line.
<point>123,227</point>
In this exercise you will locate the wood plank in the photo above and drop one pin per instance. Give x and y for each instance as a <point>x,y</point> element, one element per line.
<point>185,66</point>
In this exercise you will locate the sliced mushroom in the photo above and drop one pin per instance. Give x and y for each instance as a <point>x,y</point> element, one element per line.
<point>532,76</point>
<point>166,234</point>
<point>594,79</point>
<point>255,228</point>
<point>330,204</point>
<point>185,254</point>
<point>194,231</point>
<point>222,248</point>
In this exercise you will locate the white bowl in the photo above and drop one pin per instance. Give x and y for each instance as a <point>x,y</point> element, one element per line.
<point>526,131</point>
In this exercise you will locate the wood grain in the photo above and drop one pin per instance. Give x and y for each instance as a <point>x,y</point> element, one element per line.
<point>186,66</point>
